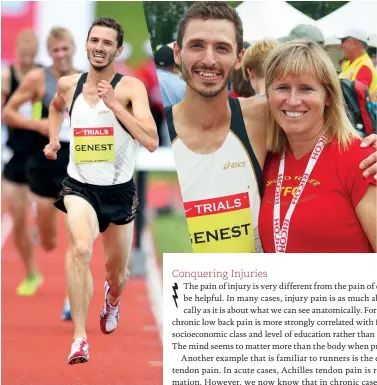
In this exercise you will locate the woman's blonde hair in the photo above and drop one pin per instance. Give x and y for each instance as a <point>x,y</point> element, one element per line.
<point>301,57</point>
<point>255,56</point>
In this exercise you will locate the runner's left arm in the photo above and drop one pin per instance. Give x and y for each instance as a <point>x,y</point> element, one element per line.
<point>140,123</point>
<point>370,163</point>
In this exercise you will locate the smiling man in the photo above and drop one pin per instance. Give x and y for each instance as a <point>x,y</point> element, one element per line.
<point>110,116</point>
<point>219,143</point>
<point>220,173</point>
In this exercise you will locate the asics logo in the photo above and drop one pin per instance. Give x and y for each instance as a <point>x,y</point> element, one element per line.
<point>103,112</point>
<point>233,165</point>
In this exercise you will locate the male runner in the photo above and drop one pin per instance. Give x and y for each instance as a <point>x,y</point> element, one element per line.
<point>15,187</point>
<point>44,177</point>
<point>218,143</point>
<point>110,116</point>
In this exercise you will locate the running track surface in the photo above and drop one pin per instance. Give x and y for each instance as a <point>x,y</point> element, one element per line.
<point>35,343</point>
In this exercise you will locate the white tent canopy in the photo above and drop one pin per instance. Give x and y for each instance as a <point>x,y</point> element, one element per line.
<point>275,19</point>
<point>355,14</point>
<point>269,19</point>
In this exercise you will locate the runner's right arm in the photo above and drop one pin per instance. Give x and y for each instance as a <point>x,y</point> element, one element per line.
<point>56,111</point>
<point>56,116</point>
<point>254,111</point>
<point>30,89</point>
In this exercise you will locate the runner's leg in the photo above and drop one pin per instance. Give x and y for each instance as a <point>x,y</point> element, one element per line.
<point>117,243</point>
<point>17,200</point>
<point>46,222</point>
<point>83,229</point>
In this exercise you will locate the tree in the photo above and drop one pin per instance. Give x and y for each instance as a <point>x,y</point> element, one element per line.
<point>163,17</point>
<point>317,9</point>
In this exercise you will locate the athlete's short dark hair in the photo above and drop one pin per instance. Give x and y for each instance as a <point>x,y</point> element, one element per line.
<point>109,23</point>
<point>219,10</point>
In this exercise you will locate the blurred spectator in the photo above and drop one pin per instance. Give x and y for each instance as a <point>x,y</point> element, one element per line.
<point>305,32</point>
<point>121,65</point>
<point>341,62</point>
<point>27,47</point>
<point>246,45</point>
<point>11,76</point>
<point>172,87</point>
<point>358,64</point>
<point>241,87</point>
<point>146,72</point>
<point>252,64</point>
<point>374,59</point>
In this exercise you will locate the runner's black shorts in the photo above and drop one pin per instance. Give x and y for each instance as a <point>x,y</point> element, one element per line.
<point>116,204</point>
<point>45,176</point>
<point>15,170</point>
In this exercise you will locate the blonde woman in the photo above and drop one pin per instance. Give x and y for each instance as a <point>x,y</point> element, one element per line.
<point>315,198</point>
<point>252,64</point>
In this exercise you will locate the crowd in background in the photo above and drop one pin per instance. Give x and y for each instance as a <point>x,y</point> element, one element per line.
<point>357,65</point>
<point>166,87</point>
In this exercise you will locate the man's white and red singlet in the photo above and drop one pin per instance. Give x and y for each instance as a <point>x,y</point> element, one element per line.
<point>102,151</point>
<point>221,191</point>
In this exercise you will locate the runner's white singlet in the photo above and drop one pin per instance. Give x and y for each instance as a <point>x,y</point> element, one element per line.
<point>221,190</point>
<point>102,152</point>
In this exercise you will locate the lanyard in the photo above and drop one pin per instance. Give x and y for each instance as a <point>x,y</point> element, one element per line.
<point>281,233</point>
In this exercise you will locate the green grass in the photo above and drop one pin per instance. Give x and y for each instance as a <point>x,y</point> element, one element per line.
<point>170,177</point>
<point>130,14</point>
<point>171,234</point>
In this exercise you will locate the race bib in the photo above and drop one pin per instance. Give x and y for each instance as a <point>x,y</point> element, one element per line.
<point>94,144</point>
<point>221,225</point>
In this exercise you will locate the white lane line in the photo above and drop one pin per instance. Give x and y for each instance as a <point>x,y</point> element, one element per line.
<point>6,228</point>
<point>153,276</point>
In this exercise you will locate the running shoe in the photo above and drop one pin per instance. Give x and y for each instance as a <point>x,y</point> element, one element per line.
<point>30,285</point>
<point>79,352</point>
<point>109,317</point>
<point>66,313</point>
